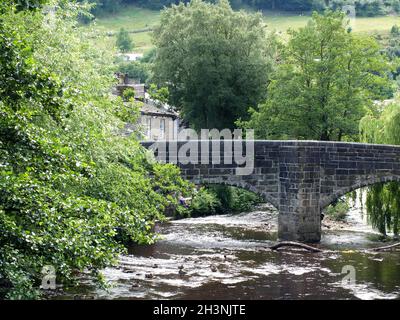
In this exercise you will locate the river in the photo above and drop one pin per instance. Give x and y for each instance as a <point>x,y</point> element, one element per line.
<point>225,257</point>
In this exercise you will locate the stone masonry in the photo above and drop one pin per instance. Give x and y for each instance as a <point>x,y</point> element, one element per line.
<point>299,178</point>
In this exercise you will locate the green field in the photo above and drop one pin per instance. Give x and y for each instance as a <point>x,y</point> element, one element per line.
<point>282,22</point>
<point>132,19</point>
<point>136,19</point>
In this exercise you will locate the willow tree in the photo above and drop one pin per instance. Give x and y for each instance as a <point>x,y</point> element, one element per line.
<point>214,61</point>
<point>383,200</point>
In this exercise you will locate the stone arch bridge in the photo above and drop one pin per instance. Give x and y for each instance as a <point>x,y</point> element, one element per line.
<point>299,178</point>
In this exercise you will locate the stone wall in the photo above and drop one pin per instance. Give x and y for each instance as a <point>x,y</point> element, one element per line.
<point>300,178</point>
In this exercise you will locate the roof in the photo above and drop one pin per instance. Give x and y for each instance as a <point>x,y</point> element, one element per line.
<point>149,108</point>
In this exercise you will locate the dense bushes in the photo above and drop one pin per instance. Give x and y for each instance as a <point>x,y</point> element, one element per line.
<point>204,203</point>
<point>220,199</point>
<point>234,199</point>
<point>338,211</point>
<point>69,181</point>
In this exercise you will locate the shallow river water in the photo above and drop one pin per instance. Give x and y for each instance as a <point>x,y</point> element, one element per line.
<point>226,257</point>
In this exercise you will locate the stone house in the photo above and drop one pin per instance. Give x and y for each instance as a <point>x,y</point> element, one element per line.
<point>157,121</point>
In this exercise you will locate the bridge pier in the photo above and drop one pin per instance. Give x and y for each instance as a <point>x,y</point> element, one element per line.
<point>303,225</point>
<point>299,193</point>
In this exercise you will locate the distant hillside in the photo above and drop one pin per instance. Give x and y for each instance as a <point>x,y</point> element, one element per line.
<point>139,22</point>
<point>363,8</point>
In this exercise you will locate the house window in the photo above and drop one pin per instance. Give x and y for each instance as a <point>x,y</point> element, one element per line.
<point>148,128</point>
<point>162,129</point>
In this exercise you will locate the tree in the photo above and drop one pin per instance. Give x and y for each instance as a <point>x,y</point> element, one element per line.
<point>124,42</point>
<point>326,81</point>
<point>73,190</point>
<point>135,70</point>
<point>383,200</point>
<point>158,94</point>
<point>214,61</point>
<point>100,7</point>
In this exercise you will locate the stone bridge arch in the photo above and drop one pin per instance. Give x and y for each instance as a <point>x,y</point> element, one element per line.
<point>329,199</point>
<point>299,178</point>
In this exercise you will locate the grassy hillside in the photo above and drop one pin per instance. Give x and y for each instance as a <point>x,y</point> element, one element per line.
<point>281,22</point>
<point>140,21</point>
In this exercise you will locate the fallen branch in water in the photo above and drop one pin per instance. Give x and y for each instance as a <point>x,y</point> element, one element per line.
<point>386,247</point>
<point>294,244</point>
<point>313,249</point>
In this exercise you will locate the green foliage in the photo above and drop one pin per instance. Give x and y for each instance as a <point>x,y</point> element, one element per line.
<point>214,61</point>
<point>382,126</point>
<point>101,7</point>
<point>395,5</point>
<point>383,207</point>
<point>149,56</point>
<point>204,203</point>
<point>326,81</point>
<point>234,200</point>
<point>69,182</point>
<point>124,42</point>
<point>129,111</point>
<point>159,94</point>
<point>392,51</point>
<point>135,70</point>
<point>365,8</point>
<point>21,5</point>
<point>395,30</point>
<point>243,200</point>
<point>383,200</point>
<point>219,199</point>
<point>128,94</point>
<point>338,211</point>
<point>155,4</point>
<point>319,5</point>
<point>370,8</point>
